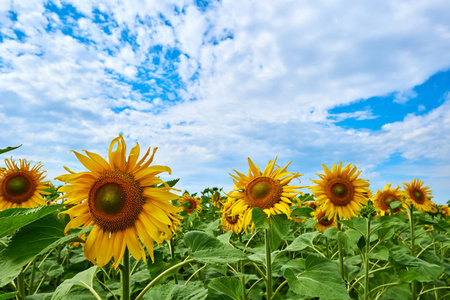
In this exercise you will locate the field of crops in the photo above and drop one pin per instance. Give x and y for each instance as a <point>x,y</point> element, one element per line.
<point>117,231</point>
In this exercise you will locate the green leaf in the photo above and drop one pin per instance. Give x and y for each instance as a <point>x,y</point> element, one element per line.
<point>207,249</point>
<point>170,183</point>
<point>303,241</point>
<point>84,279</point>
<point>320,278</point>
<point>280,226</point>
<point>382,254</point>
<point>161,265</point>
<point>302,212</point>
<point>386,233</point>
<point>395,204</point>
<point>13,219</point>
<point>230,286</point>
<point>7,296</point>
<point>8,149</point>
<point>260,219</point>
<point>225,238</point>
<point>31,241</point>
<point>177,292</point>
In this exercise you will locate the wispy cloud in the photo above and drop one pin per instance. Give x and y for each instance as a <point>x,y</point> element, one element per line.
<point>212,85</point>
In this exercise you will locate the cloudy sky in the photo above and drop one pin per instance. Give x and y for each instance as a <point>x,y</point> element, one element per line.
<point>213,82</point>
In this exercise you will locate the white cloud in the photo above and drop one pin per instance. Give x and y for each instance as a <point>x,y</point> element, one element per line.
<point>263,75</point>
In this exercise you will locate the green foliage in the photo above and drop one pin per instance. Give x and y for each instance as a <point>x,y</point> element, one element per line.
<point>8,149</point>
<point>320,278</point>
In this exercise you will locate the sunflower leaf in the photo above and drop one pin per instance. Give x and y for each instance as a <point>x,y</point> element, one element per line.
<point>208,249</point>
<point>302,211</point>
<point>229,286</point>
<point>84,279</point>
<point>8,149</point>
<point>172,291</point>
<point>31,241</point>
<point>260,219</point>
<point>7,296</point>
<point>303,241</point>
<point>320,278</point>
<point>15,218</point>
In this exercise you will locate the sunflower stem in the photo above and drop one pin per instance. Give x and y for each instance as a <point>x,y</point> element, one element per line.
<point>366,262</point>
<point>162,275</point>
<point>268,265</point>
<point>411,227</point>
<point>33,272</point>
<point>341,254</point>
<point>125,276</point>
<point>21,285</point>
<point>172,255</point>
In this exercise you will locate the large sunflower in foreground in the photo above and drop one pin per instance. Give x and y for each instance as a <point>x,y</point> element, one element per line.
<point>340,192</point>
<point>119,197</point>
<point>418,196</point>
<point>383,199</point>
<point>22,186</point>
<point>323,221</point>
<point>190,203</point>
<point>268,190</point>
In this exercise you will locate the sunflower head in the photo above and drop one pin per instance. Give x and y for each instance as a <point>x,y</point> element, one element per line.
<point>268,190</point>
<point>190,203</point>
<point>340,192</point>
<point>118,196</point>
<point>230,222</point>
<point>383,199</point>
<point>445,211</point>
<point>22,186</point>
<point>418,196</point>
<point>323,221</point>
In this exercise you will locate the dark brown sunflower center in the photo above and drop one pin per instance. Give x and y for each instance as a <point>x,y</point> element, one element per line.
<point>418,196</point>
<point>18,187</point>
<point>110,198</point>
<point>340,191</point>
<point>231,219</point>
<point>115,200</point>
<point>323,220</point>
<point>190,205</point>
<point>263,192</point>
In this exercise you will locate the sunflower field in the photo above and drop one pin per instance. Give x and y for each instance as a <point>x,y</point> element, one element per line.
<point>118,231</point>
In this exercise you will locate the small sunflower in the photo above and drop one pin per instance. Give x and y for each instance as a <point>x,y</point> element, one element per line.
<point>340,192</point>
<point>268,190</point>
<point>383,199</point>
<point>418,196</point>
<point>118,197</point>
<point>230,222</point>
<point>323,221</point>
<point>22,186</point>
<point>192,203</point>
<point>445,210</point>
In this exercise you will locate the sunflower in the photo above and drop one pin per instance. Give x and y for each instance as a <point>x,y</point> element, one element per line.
<point>418,196</point>
<point>230,222</point>
<point>22,186</point>
<point>267,190</point>
<point>323,221</point>
<point>340,192</point>
<point>383,199</point>
<point>192,203</point>
<point>120,199</point>
<point>445,211</point>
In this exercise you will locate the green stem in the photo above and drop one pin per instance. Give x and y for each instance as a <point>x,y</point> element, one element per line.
<point>161,275</point>
<point>33,272</point>
<point>172,255</point>
<point>268,265</point>
<point>411,227</point>
<point>341,254</point>
<point>21,285</point>
<point>366,262</point>
<point>125,276</point>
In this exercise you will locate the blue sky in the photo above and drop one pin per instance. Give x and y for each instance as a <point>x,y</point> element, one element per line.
<point>213,82</point>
